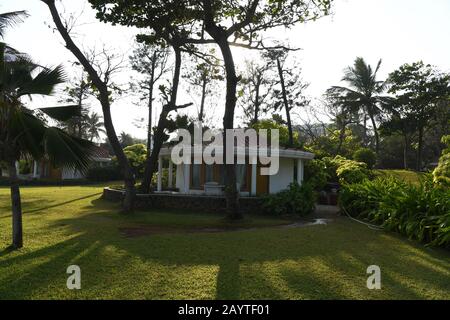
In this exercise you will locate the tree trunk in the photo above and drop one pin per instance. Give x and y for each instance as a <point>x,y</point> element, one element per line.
<point>202,103</point>
<point>257,103</point>
<point>366,144</point>
<point>419,150</point>
<point>102,87</point>
<point>17,238</point>
<point>405,153</point>
<point>286,104</point>
<point>375,131</point>
<point>220,37</point>
<point>150,106</point>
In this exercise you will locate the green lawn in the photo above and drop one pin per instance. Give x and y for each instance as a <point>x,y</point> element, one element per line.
<point>405,175</point>
<point>172,260</point>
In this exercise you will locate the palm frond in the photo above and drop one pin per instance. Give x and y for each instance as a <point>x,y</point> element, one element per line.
<point>27,132</point>
<point>63,113</point>
<point>66,151</point>
<point>44,83</point>
<point>10,19</point>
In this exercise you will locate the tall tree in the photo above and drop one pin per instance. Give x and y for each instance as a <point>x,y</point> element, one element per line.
<point>93,126</point>
<point>77,92</point>
<point>151,62</point>
<point>201,74</point>
<point>419,89</point>
<point>364,92</point>
<point>215,22</point>
<point>256,90</point>
<point>344,114</point>
<point>104,94</point>
<point>25,135</point>
<point>291,88</point>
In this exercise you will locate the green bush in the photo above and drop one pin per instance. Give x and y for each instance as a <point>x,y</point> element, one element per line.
<point>136,154</point>
<point>298,200</point>
<point>366,156</point>
<point>100,174</point>
<point>352,172</point>
<point>419,212</point>
<point>316,174</point>
<point>337,169</point>
<point>25,166</point>
<point>441,175</point>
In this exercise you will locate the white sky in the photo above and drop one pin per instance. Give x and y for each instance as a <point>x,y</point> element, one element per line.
<point>397,31</point>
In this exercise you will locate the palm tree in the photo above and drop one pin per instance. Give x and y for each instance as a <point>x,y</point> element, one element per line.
<point>25,135</point>
<point>364,91</point>
<point>93,126</point>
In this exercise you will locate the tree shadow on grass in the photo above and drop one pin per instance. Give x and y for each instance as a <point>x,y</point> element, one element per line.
<point>320,262</point>
<point>34,206</point>
<point>61,203</point>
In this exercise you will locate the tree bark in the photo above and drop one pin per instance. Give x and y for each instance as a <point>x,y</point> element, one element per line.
<point>17,237</point>
<point>150,106</point>
<point>257,102</point>
<point>405,153</point>
<point>286,104</point>
<point>419,150</point>
<point>221,38</point>
<point>202,103</point>
<point>375,131</point>
<point>129,179</point>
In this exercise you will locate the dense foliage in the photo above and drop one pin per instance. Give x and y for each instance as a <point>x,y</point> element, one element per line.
<point>136,155</point>
<point>441,174</point>
<point>420,212</point>
<point>297,200</point>
<point>337,169</point>
<point>366,156</point>
<point>316,174</point>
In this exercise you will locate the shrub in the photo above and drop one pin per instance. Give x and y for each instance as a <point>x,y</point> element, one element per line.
<point>298,200</point>
<point>25,166</point>
<point>352,172</point>
<point>100,174</point>
<point>419,212</point>
<point>316,174</point>
<point>366,156</point>
<point>441,175</point>
<point>136,154</point>
<point>331,166</point>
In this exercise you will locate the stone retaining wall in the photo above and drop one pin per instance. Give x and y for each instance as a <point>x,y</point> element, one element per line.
<point>184,202</point>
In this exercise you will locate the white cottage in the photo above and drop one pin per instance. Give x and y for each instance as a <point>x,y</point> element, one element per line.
<point>202,179</point>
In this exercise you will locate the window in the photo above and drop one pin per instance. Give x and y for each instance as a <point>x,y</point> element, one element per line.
<point>196,173</point>
<point>241,175</point>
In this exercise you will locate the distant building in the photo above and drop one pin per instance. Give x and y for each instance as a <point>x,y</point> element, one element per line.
<point>44,169</point>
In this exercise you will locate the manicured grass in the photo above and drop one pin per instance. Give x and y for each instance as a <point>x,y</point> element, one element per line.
<point>405,175</point>
<point>71,225</point>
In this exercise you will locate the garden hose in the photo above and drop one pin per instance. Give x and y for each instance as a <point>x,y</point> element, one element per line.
<point>369,225</point>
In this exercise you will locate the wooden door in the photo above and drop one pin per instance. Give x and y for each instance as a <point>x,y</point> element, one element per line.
<point>262,183</point>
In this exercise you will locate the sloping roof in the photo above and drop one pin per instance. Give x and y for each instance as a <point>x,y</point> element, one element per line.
<point>101,152</point>
<point>282,152</point>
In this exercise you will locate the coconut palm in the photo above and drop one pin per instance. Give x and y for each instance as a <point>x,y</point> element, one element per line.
<point>23,134</point>
<point>364,91</point>
<point>93,126</point>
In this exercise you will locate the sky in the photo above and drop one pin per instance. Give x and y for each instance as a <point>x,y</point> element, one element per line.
<point>397,31</point>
